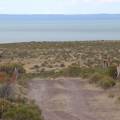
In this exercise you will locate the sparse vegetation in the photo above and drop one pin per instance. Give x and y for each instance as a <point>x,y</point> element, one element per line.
<point>9,68</point>
<point>13,104</point>
<point>106,82</point>
<point>4,106</point>
<point>17,111</point>
<point>55,59</point>
<point>72,71</point>
<point>22,112</point>
<point>95,78</point>
<point>60,55</point>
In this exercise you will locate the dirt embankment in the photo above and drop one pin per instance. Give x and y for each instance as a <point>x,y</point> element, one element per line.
<point>72,99</point>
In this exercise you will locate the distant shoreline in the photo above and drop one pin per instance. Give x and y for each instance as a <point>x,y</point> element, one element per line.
<point>61,41</point>
<point>59,16</point>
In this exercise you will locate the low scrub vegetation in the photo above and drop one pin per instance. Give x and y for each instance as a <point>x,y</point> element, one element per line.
<point>106,82</point>
<point>17,111</point>
<point>95,78</point>
<point>72,71</point>
<point>4,106</point>
<point>46,59</point>
<point>105,78</point>
<point>22,112</point>
<point>9,68</point>
<point>102,80</point>
<point>13,104</point>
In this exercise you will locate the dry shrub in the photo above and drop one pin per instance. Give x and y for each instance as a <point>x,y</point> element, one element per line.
<point>4,106</point>
<point>96,77</point>
<point>106,82</point>
<point>9,68</point>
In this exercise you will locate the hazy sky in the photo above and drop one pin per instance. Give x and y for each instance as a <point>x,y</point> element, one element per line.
<point>59,6</point>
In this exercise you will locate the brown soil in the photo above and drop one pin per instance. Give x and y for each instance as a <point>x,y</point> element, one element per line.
<point>72,99</point>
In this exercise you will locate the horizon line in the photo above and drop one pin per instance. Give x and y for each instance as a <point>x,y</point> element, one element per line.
<point>65,14</point>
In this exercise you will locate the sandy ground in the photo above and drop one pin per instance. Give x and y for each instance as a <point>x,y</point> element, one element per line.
<point>72,99</point>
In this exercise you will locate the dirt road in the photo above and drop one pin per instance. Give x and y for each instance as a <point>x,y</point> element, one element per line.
<point>71,99</point>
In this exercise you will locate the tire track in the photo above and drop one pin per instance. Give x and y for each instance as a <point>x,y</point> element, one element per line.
<point>62,99</point>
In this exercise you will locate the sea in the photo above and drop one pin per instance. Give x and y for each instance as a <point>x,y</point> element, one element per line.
<point>25,28</point>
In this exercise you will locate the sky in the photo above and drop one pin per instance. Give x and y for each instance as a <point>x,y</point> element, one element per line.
<point>59,6</point>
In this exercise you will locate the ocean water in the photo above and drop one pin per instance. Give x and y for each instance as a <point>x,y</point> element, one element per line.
<point>58,28</point>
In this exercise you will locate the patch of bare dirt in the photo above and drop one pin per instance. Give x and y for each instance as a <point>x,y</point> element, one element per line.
<point>72,99</point>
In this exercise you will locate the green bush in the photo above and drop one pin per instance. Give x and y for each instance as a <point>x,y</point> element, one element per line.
<point>22,112</point>
<point>106,82</point>
<point>96,77</point>
<point>4,106</point>
<point>102,80</point>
